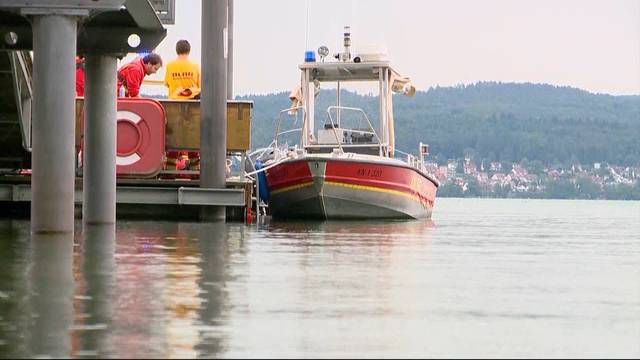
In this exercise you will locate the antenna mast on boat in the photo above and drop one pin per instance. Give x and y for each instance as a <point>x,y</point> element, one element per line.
<point>306,32</point>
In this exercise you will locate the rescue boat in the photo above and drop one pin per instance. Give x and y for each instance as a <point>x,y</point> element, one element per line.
<point>348,167</point>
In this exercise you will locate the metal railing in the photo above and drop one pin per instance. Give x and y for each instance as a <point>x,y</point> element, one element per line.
<point>412,160</point>
<point>278,132</point>
<point>365,117</point>
<point>20,68</point>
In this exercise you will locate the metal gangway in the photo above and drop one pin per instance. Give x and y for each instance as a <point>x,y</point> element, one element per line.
<point>15,110</point>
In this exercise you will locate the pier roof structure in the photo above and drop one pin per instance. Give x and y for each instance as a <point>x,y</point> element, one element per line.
<point>104,26</point>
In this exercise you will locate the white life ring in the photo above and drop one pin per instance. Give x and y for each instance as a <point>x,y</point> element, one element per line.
<point>128,124</point>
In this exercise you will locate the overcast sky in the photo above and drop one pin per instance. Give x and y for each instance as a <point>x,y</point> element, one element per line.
<point>589,44</point>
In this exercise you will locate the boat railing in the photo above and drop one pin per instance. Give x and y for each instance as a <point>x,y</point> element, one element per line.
<point>412,160</point>
<point>370,131</point>
<point>291,110</point>
<point>261,152</point>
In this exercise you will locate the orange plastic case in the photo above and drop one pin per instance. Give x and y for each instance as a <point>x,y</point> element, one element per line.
<point>140,139</point>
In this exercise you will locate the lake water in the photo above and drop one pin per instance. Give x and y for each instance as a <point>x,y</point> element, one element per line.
<point>485,278</point>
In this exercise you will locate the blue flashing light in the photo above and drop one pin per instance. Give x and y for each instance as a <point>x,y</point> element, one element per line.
<point>309,56</point>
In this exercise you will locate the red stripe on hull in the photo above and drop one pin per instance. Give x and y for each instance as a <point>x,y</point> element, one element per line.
<point>384,176</point>
<point>288,174</point>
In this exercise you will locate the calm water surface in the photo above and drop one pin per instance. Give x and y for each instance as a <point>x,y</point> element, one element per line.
<point>485,278</point>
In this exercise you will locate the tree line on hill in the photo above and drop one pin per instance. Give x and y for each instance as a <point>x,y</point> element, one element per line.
<point>492,121</point>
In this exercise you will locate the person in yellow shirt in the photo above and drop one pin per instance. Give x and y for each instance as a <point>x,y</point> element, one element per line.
<point>182,76</point>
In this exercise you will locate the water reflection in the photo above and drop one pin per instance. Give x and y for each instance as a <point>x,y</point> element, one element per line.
<point>51,288</point>
<point>143,293</point>
<point>94,294</point>
<point>324,287</point>
<point>150,289</point>
<point>182,301</point>
<point>355,232</point>
<point>14,309</point>
<point>212,284</point>
<point>330,289</point>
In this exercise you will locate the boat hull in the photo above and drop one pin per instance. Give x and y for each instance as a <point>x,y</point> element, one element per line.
<point>326,188</point>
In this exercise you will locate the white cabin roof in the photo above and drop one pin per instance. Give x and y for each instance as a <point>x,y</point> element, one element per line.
<point>346,71</point>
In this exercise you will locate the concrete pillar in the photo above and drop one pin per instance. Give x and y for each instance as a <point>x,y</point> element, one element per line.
<point>99,154</point>
<point>230,50</point>
<point>213,104</point>
<point>53,124</point>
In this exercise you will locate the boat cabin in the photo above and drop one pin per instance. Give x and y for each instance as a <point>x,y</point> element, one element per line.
<point>332,133</point>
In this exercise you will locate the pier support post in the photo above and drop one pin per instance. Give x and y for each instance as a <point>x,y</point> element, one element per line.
<point>53,124</point>
<point>99,154</point>
<point>230,50</point>
<point>213,105</point>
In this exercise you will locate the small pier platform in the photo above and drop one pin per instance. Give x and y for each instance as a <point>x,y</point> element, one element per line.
<point>179,199</point>
<point>148,130</point>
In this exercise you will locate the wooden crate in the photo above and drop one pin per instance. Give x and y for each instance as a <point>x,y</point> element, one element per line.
<point>183,125</point>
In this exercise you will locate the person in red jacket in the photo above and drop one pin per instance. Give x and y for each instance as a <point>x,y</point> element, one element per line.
<point>130,75</point>
<point>80,75</point>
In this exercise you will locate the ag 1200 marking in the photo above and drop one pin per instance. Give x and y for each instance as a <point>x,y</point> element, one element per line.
<point>374,173</point>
